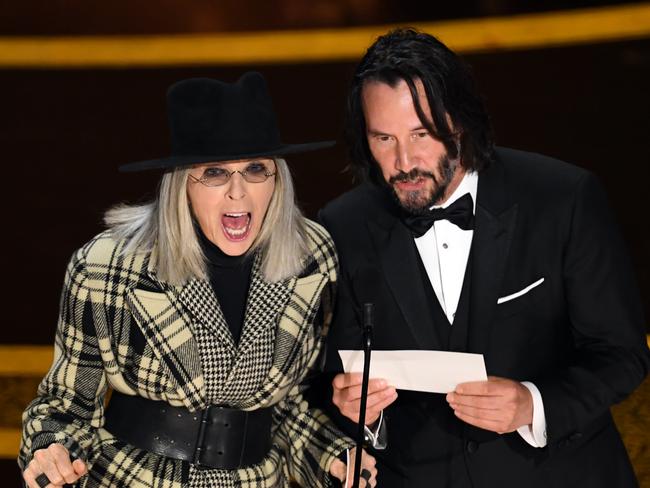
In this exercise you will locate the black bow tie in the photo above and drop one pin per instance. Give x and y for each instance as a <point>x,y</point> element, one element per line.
<point>461,213</point>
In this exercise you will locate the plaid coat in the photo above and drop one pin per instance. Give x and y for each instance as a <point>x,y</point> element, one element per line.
<point>120,326</point>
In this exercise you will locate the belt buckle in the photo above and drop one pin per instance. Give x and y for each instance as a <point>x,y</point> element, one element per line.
<point>204,422</point>
<point>215,444</point>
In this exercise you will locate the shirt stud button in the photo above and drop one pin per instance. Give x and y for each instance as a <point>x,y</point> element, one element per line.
<point>444,245</point>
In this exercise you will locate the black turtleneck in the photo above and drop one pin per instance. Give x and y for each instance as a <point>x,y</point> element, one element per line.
<point>230,278</point>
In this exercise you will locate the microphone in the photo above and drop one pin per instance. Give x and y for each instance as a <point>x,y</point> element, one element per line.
<point>368,316</point>
<point>365,290</point>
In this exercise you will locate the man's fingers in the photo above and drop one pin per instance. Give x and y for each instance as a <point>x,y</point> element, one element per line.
<point>384,400</point>
<point>486,424</point>
<point>479,413</point>
<point>372,400</point>
<point>376,403</point>
<point>482,402</point>
<point>378,384</point>
<point>351,384</point>
<point>493,386</point>
<point>353,393</point>
<point>345,380</point>
<point>482,388</point>
<point>380,399</point>
<point>348,399</point>
<point>347,396</point>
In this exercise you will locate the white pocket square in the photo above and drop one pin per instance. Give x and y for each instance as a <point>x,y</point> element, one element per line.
<point>520,292</point>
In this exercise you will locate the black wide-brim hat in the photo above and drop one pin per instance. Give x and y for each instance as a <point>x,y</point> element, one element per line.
<point>210,121</point>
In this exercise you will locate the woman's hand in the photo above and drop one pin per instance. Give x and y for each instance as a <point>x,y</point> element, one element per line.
<point>54,462</point>
<point>339,470</point>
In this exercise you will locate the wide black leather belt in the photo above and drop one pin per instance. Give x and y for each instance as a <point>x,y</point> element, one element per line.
<point>217,437</point>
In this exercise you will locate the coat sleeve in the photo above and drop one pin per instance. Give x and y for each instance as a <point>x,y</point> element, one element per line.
<point>69,403</point>
<point>610,357</point>
<point>309,439</point>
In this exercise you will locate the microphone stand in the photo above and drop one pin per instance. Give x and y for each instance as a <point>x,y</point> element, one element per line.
<point>367,347</point>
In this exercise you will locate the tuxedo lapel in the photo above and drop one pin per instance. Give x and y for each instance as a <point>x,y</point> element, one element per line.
<point>494,227</point>
<point>399,261</point>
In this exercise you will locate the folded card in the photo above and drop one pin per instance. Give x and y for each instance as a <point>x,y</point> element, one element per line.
<point>431,371</point>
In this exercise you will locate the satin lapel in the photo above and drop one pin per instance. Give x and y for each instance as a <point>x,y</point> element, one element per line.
<point>494,228</point>
<point>399,260</point>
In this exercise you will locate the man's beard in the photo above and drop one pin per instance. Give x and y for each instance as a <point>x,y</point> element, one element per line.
<point>420,201</point>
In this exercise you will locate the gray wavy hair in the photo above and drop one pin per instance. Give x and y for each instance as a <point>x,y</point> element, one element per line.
<point>165,228</point>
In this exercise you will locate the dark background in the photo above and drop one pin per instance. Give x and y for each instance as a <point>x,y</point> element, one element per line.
<point>63,134</point>
<point>83,17</point>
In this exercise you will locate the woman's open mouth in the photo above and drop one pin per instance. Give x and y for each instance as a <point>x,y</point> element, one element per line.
<point>236,225</point>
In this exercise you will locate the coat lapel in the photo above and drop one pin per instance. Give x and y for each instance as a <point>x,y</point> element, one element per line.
<point>278,325</point>
<point>494,227</point>
<point>166,327</point>
<point>199,298</point>
<point>399,261</point>
<point>297,340</point>
<point>265,302</point>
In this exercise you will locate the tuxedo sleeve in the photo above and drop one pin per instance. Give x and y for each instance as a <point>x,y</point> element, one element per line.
<point>610,356</point>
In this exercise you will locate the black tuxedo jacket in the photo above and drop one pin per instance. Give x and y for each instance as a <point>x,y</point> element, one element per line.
<point>579,336</point>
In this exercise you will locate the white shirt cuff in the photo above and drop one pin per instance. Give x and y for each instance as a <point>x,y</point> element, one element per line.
<point>535,434</point>
<point>374,438</point>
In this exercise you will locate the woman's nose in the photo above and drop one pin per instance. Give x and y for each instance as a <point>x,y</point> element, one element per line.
<point>236,186</point>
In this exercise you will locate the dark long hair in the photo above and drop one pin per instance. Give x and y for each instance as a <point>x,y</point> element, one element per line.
<point>409,55</point>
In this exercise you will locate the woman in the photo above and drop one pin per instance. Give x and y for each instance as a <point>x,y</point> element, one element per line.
<point>203,312</point>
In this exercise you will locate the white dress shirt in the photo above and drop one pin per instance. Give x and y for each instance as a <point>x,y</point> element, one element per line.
<point>444,250</point>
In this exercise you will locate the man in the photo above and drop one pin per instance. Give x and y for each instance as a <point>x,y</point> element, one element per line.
<point>525,266</point>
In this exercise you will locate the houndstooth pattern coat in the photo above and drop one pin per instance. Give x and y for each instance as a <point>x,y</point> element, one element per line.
<point>119,326</point>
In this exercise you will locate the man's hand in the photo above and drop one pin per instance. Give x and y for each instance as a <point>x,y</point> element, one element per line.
<point>498,404</point>
<point>347,396</point>
<point>54,462</point>
<point>339,470</point>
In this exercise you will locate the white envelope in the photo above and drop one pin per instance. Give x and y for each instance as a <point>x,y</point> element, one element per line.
<point>431,371</point>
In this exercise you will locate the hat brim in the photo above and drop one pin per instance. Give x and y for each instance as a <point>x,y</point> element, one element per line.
<point>186,160</point>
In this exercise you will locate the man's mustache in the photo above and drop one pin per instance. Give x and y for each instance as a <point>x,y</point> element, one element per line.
<point>414,174</point>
